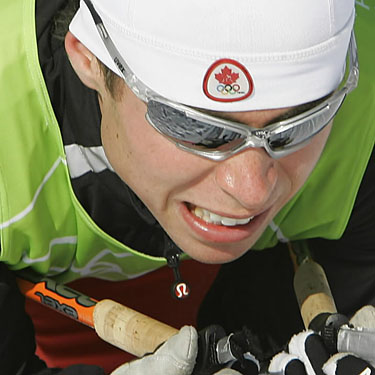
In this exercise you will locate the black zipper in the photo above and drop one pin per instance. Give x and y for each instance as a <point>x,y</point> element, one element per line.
<point>179,289</point>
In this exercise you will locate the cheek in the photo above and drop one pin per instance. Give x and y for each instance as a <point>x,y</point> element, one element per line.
<point>300,164</point>
<point>149,163</point>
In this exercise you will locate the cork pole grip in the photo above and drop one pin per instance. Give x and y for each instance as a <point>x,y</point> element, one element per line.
<point>312,290</point>
<point>128,329</point>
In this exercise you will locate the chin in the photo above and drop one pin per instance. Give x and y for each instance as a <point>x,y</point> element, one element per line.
<point>210,255</point>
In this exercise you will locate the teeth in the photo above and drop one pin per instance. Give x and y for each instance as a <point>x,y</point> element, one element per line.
<point>210,217</point>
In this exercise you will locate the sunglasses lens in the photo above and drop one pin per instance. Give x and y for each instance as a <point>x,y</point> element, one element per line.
<point>188,131</point>
<point>297,133</point>
<point>292,136</point>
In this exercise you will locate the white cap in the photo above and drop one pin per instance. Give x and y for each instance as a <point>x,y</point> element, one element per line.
<point>226,55</point>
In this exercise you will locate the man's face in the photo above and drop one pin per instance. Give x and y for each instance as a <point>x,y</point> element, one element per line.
<point>177,186</point>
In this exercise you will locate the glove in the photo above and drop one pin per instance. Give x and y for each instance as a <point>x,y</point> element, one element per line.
<point>175,357</point>
<point>307,354</point>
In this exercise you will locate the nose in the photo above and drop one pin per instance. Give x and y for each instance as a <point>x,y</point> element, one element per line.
<point>249,177</point>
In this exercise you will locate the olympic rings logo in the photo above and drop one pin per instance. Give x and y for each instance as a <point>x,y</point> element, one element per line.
<point>228,89</point>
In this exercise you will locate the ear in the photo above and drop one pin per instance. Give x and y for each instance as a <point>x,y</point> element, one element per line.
<point>83,62</point>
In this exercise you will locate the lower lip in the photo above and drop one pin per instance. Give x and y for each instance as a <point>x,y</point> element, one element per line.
<point>220,233</point>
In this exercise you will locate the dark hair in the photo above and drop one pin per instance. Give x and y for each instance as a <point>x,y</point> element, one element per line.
<point>62,19</point>
<point>59,29</point>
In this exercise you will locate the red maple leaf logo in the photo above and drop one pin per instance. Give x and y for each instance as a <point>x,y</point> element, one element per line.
<point>227,76</point>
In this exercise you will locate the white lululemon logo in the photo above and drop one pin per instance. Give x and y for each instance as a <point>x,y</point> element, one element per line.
<point>181,290</point>
<point>227,80</point>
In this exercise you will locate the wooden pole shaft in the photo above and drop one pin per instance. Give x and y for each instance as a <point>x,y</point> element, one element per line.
<point>312,290</point>
<point>128,329</point>
<point>119,325</point>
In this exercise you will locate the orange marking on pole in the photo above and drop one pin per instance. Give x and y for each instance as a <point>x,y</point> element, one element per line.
<point>68,304</point>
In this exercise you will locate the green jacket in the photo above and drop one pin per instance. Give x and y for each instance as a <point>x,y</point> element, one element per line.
<point>42,224</point>
<point>322,207</point>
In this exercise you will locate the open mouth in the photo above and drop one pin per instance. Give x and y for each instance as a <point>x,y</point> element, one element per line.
<point>213,218</point>
<point>216,228</point>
